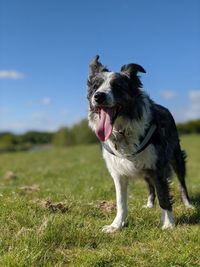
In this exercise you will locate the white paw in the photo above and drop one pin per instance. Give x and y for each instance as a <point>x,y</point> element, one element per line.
<point>148,206</point>
<point>189,206</point>
<point>167,219</point>
<point>110,228</point>
<point>168,226</point>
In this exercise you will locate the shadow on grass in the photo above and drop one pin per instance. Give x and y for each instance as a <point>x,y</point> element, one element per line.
<point>194,218</point>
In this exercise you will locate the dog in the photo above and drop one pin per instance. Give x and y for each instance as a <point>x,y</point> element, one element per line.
<point>138,137</point>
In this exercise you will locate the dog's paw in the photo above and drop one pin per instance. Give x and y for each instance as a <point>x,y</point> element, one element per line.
<point>168,226</point>
<point>148,206</point>
<point>167,219</point>
<point>110,229</point>
<point>189,206</point>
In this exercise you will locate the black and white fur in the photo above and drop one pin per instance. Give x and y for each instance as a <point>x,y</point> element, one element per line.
<point>134,112</point>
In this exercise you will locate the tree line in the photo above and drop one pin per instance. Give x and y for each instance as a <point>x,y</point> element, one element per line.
<point>190,127</point>
<point>79,133</point>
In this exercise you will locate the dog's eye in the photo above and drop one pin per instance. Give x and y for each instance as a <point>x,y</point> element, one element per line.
<point>95,86</point>
<point>97,83</point>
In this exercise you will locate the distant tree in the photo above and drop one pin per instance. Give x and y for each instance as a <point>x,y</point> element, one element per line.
<point>17,142</point>
<point>7,142</point>
<point>63,137</point>
<point>189,127</point>
<point>82,133</point>
<point>35,137</point>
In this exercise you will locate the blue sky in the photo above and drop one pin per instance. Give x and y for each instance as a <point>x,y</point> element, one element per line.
<point>46,46</point>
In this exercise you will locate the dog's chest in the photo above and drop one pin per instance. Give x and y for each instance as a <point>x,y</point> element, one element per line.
<point>126,165</point>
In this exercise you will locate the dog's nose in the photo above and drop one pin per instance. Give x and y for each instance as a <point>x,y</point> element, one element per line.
<point>100,97</point>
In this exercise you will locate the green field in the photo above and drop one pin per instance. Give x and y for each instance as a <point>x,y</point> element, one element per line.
<point>53,212</point>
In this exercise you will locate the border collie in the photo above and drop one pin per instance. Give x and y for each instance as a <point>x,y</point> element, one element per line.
<point>138,137</point>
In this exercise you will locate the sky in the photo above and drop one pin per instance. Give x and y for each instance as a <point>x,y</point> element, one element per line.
<point>46,47</point>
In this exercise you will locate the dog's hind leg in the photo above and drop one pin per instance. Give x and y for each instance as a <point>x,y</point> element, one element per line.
<point>121,184</point>
<point>179,167</point>
<point>162,190</point>
<point>151,193</point>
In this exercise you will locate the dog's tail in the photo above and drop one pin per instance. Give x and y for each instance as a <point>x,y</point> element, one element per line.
<point>179,163</point>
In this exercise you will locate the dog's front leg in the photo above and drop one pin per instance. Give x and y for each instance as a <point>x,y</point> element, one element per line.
<point>121,184</point>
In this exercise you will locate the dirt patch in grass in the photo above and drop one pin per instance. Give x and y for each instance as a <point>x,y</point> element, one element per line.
<point>107,206</point>
<point>10,175</point>
<point>30,188</point>
<point>55,207</point>
<point>52,206</point>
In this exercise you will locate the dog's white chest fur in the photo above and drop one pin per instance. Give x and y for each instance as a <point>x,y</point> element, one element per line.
<point>131,166</point>
<point>124,145</point>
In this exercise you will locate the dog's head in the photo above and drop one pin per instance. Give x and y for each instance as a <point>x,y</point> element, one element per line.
<point>111,95</point>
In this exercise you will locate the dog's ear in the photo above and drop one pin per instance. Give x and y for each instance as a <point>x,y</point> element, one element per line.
<point>95,68</point>
<point>132,69</point>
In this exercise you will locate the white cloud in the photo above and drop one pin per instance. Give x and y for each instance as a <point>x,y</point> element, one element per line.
<point>194,95</point>
<point>11,75</point>
<point>40,121</point>
<point>168,94</point>
<point>64,112</point>
<point>46,101</point>
<point>191,111</point>
<point>4,110</point>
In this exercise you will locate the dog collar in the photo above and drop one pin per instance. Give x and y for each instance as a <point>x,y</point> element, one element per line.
<point>143,144</point>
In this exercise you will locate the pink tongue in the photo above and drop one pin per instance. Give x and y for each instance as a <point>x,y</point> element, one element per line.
<point>104,128</point>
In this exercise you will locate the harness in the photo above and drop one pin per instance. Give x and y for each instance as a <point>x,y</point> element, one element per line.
<point>145,142</point>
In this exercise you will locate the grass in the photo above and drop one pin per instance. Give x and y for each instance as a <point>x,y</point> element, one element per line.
<point>53,212</point>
